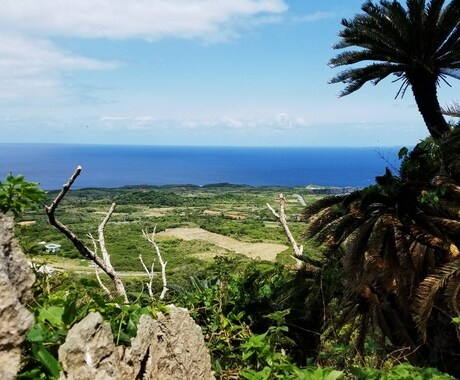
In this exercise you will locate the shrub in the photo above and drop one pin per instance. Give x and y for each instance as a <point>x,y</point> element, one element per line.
<point>18,195</point>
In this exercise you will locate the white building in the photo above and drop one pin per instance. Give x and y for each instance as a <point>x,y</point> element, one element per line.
<point>52,248</point>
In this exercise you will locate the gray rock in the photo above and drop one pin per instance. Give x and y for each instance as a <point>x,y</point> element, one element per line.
<point>16,280</point>
<point>88,352</point>
<point>167,348</point>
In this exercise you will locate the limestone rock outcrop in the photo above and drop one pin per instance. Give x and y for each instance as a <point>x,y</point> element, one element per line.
<point>167,348</point>
<point>16,280</point>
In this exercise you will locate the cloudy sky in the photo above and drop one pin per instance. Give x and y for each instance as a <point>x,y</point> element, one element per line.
<point>189,72</point>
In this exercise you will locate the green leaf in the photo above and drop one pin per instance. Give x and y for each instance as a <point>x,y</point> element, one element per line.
<point>248,374</point>
<point>69,314</point>
<point>48,360</point>
<point>33,374</point>
<point>331,374</point>
<point>35,334</point>
<point>53,315</point>
<point>403,153</point>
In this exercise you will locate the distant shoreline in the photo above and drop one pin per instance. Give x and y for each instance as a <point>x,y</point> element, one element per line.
<point>67,144</point>
<point>108,166</point>
<point>319,190</point>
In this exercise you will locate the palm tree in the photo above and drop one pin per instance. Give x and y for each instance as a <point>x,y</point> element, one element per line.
<point>419,44</point>
<point>398,242</point>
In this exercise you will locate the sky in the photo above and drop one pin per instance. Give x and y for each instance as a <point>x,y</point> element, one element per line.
<point>190,72</point>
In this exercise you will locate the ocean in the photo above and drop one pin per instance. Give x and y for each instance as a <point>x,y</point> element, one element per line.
<point>114,165</point>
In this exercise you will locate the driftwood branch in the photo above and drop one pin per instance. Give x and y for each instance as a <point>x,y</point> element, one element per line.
<point>151,239</point>
<point>104,262</point>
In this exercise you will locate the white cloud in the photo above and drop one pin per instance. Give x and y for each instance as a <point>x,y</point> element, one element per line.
<point>120,19</point>
<point>280,122</point>
<point>285,121</point>
<point>29,56</point>
<point>31,67</point>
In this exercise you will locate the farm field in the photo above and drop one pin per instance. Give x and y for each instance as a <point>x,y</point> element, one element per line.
<point>193,226</point>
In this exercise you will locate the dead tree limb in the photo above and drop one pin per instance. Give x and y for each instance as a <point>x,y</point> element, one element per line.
<point>101,284</point>
<point>281,216</point>
<point>78,243</point>
<point>300,259</point>
<point>160,259</point>
<point>150,274</point>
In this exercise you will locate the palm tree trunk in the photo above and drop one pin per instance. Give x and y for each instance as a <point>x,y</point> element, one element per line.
<point>450,148</point>
<point>424,87</point>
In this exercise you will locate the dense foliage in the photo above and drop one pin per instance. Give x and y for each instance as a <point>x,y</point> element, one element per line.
<point>261,320</point>
<point>18,195</point>
<point>399,239</point>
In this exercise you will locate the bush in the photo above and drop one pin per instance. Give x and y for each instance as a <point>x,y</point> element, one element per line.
<point>18,195</point>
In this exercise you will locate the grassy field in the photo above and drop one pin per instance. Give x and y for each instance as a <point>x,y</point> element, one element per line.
<point>193,224</point>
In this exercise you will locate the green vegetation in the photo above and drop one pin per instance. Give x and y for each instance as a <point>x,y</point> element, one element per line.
<point>240,213</point>
<point>18,195</point>
<point>399,239</point>
<point>260,319</point>
<point>378,297</point>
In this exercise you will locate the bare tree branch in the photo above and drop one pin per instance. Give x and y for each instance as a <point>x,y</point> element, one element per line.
<point>106,266</point>
<point>160,259</point>
<point>106,257</point>
<point>301,260</point>
<point>101,284</point>
<point>281,216</point>
<point>151,276</point>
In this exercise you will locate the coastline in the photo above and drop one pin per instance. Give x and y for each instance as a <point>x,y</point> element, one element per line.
<point>116,166</point>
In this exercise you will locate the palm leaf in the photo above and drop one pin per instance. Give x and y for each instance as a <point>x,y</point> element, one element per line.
<point>427,293</point>
<point>448,29</point>
<point>423,258</point>
<point>321,204</point>
<point>321,220</point>
<point>355,248</point>
<point>338,230</point>
<point>426,238</point>
<point>448,225</point>
<point>452,294</point>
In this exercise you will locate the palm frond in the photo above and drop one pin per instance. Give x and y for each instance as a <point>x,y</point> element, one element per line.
<point>355,78</point>
<point>452,295</point>
<point>448,225</point>
<point>428,291</point>
<point>451,187</point>
<point>416,11</point>
<point>433,13</point>
<point>423,258</point>
<point>452,110</point>
<point>355,252</point>
<point>447,209</point>
<point>426,238</point>
<point>321,220</point>
<point>321,204</point>
<point>334,232</point>
<point>447,29</point>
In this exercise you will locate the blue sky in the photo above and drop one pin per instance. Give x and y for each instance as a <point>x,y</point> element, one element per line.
<point>189,72</point>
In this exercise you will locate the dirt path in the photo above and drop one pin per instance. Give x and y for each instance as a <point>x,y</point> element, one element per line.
<point>264,251</point>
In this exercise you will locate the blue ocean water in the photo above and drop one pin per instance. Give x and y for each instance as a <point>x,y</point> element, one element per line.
<point>112,165</point>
